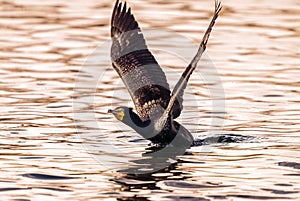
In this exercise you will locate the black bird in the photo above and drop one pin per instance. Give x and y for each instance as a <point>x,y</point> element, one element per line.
<point>156,106</point>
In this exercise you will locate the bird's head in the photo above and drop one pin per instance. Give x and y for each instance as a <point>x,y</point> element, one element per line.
<point>121,113</point>
<point>127,116</point>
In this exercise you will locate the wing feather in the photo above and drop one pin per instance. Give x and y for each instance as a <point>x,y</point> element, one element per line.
<point>177,94</point>
<point>137,67</point>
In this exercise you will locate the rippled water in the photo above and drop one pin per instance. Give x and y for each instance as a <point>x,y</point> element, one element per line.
<point>57,144</point>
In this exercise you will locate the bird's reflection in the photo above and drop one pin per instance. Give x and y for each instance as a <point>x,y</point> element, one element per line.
<point>159,158</point>
<point>156,158</point>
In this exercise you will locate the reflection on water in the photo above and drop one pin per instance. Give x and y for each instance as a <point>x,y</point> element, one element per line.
<point>254,47</point>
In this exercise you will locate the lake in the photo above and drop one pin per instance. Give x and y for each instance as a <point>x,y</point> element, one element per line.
<point>243,102</point>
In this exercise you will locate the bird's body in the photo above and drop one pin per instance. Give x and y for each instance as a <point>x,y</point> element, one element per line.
<point>156,106</point>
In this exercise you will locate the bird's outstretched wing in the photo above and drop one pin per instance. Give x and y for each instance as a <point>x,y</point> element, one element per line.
<point>177,94</point>
<point>140,72</point>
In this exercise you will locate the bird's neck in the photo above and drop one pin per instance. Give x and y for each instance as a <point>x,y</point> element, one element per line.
<point>136,123</point>
<point>148,129</point>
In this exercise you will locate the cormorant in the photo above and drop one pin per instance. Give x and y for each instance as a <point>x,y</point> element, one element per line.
<point>156,106</point>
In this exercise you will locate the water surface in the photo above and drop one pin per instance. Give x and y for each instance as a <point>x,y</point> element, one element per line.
<point>45,154</point>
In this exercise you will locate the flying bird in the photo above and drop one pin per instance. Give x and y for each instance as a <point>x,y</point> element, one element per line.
<point>156,106</point>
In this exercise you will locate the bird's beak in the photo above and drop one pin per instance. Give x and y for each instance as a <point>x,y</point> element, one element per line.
<point>109,111</point>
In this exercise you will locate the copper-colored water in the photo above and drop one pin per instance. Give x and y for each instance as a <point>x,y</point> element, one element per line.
<point>45,44</point>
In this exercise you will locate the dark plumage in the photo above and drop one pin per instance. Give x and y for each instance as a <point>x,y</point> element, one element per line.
<point>156,106</point>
